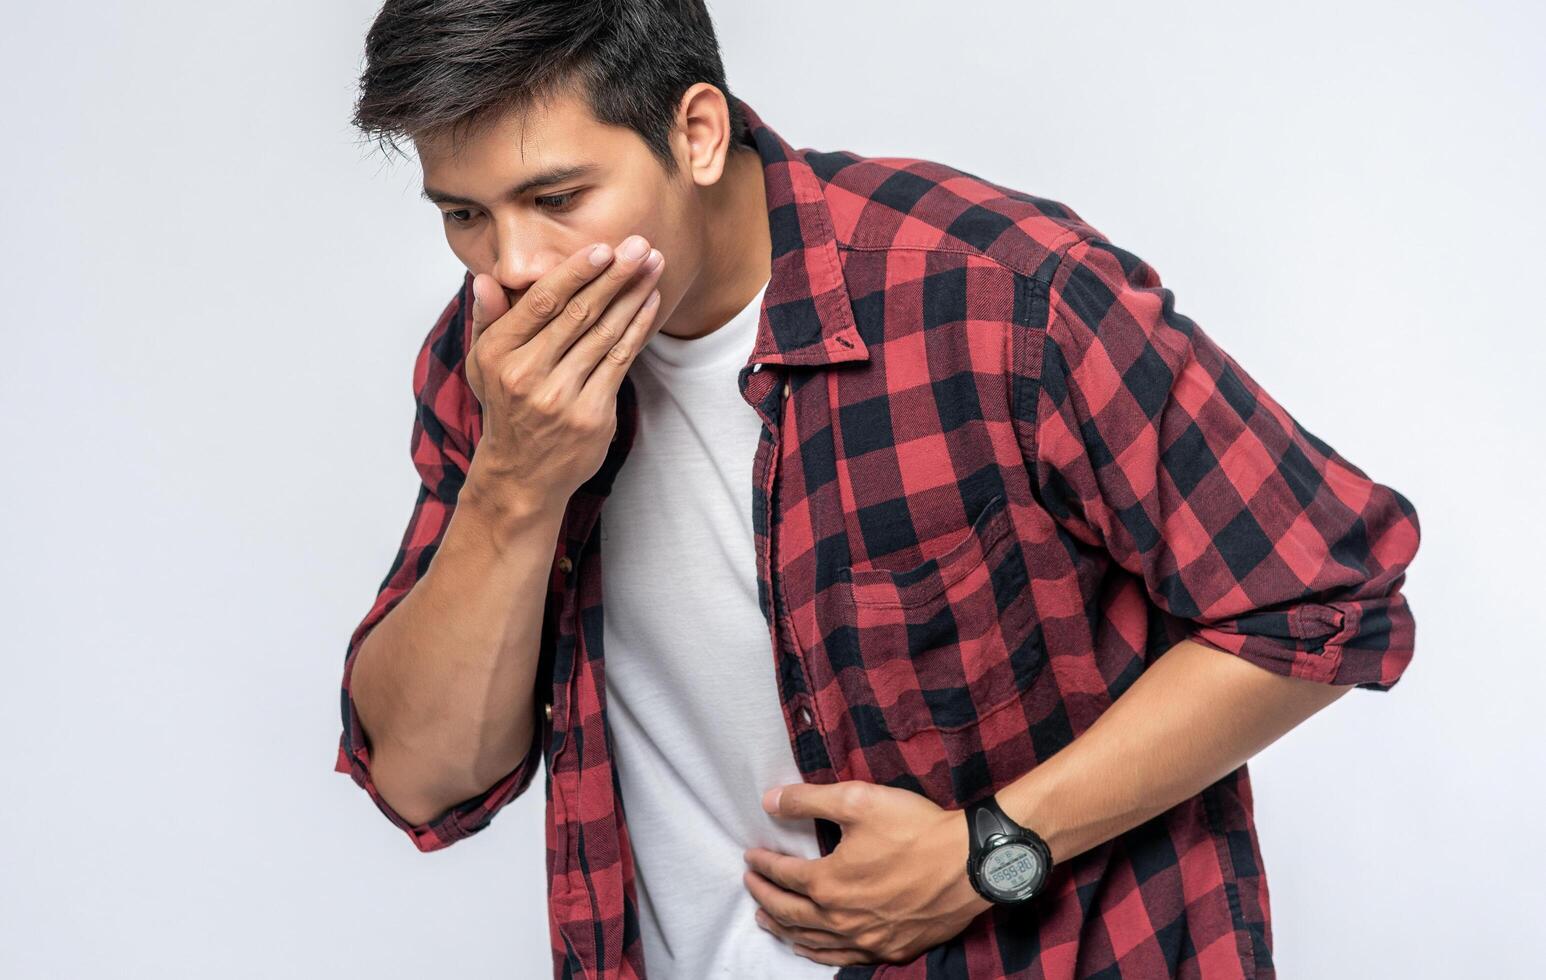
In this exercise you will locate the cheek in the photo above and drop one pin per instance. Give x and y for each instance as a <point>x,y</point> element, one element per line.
<point>632,211</point>
<point>667,286</point>
<point>468,250</point>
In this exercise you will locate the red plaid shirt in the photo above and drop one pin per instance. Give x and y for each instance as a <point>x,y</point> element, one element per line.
<point>999,474</point>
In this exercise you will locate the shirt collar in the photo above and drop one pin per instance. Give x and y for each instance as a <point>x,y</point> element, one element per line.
<point>805,319</point>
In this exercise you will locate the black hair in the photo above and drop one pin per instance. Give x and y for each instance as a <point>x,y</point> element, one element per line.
<point>437,68</point>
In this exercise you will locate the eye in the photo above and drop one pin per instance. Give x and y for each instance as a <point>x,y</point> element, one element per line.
<point>460,216</point>
<point>566,201</point>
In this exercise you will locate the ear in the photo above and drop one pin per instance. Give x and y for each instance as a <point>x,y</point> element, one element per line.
<point>702,134</point>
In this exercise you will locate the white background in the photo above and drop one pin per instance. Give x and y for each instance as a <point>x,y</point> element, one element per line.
<point>211,295</point>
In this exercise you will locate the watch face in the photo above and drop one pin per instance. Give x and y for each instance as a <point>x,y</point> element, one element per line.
<point>1013,871</point>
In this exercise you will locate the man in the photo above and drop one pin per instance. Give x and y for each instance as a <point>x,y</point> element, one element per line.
<point>935,644</point>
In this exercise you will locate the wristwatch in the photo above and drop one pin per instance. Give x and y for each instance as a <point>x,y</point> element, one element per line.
<point>1008,863</point>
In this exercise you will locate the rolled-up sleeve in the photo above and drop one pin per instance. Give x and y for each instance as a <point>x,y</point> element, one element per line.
<point>1148,439</point>
<point>440,448</point>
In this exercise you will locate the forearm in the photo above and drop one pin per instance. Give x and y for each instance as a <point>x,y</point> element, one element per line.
<point>1192,717</point>
<point>443,685</point>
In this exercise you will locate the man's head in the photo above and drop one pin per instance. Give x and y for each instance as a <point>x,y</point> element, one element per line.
<point>629,96</point>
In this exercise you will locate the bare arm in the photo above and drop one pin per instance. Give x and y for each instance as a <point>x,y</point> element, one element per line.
<point>1194,716</point>
<point>445,683</point>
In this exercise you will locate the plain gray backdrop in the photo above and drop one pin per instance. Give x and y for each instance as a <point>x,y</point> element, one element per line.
<point>212,294</point>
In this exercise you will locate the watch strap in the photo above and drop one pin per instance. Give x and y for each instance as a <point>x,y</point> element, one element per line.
<point>986,818</point>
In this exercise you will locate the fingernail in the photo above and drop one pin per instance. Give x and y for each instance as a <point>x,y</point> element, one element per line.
<point>653,260</point>
<point>598,255</point>
<point>633,247</point>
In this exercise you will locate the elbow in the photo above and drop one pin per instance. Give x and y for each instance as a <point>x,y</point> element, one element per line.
<point>407,795</point>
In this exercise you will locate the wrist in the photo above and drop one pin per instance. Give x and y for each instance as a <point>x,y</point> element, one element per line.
<point>956,848</point>
<point>505,505</point>
<point>1026,802</point>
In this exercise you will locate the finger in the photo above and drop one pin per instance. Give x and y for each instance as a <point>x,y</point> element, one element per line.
<point>834,957</point>
<point>785,870</point>
<point>786,907</point>
<point>489,303</point>
<point>607,376</point>
<point>812,938</point>
<point>589,304</point>
<point>547,297</point>
<point>609,331</point>
<point>841,803</point>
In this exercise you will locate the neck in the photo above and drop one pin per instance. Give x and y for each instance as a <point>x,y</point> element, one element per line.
<point>737,251</point>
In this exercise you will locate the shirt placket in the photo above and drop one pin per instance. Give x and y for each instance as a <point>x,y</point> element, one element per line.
<point>579,564</point>
<point>770,395</point>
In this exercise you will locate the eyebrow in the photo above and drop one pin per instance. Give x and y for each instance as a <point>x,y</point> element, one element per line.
<point>553,175</point>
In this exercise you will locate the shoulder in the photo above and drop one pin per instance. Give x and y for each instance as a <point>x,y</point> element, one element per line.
<point>908,203</point>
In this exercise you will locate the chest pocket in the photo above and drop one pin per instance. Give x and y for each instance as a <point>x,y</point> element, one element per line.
<point>947,641</point>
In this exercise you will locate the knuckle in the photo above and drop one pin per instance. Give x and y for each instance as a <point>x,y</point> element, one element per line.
<point>584,423</point>
<point>606,331</point>
<point>578,310</point>
<point>619,354</point>
<point>541,301</point>
<point>548,401</point>
<point>511,378</point>
<point>855,795</point>
<point>485,359</point>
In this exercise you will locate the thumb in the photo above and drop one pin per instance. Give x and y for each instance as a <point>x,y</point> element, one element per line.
<point>842,802</point>
<point>489,303</point>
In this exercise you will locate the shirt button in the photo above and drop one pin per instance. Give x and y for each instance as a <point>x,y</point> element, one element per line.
<point>804,714</point>
<point>756,367</point>
<point>564,564</point>
<point>786,389</point>
<point>547,709</point>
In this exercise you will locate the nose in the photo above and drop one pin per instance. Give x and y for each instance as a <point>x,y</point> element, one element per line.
<point>522,255</point>
<point>517,268</point>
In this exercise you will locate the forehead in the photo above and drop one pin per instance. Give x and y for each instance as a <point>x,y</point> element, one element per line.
<point>561,129</point>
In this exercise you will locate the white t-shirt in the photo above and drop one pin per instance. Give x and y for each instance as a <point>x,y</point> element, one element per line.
<point>692,699</point>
